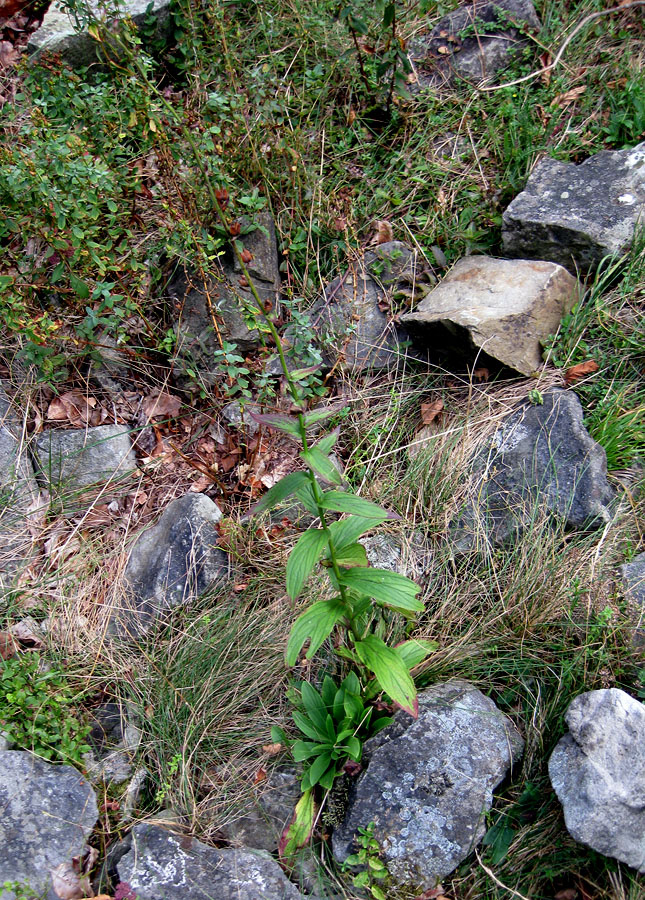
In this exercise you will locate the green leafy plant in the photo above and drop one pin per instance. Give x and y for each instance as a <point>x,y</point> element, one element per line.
<point>37,709</point>
<point>372,867</point>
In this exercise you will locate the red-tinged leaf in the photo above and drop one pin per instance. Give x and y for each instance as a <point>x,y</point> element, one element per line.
<point>575,373</point>
<point>260,775</point>
<point>299,830</point>
<point>287,424</point>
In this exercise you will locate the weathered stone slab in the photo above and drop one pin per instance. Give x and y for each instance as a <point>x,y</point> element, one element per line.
<point>70,461</point>
<point>598,773</point>
<point>261,827</point>
<point>633,578</point>
<point>507,308</point>
<point>58,33</point>
<point>225,298</point>
<point>354,316</point>
<point>48,813</point>
<point>576,215</point>
<point>18,493</point>
<point>429,783</point>
<point>165,866</point>
<point>472,42</point>
<point>173,562</point>
<point>541,458</point>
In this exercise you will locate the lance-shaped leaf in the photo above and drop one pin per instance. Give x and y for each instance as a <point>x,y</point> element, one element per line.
<point>348,557</point>
<point>298,832</point>
<point>280,491</point>
<point>391,672</point>
<point>288,424</point>
<point>321,463</point>
<point>315,625</point>
<point>350,503</point>
<point>306,496</point>
<point>414,651</point>
<point>346,531</point>
<point>326,444</point>
<point>388,588</point>
<point>303,558</point>
<point>319,415</point>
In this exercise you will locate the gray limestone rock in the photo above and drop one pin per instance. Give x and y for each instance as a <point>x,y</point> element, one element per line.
<point>48,813</point>
<point>411,557</point>
<point>262,824</point>
<point>349,317</point>
<point>472,42</point>
<point>576,215</point>
<point>59,34</point>
<point>542,457</point>
<point>113,741</point>
<point>172,562</point>
<point>225,298</point>
<point>598,773</point>
<point>429,783</point>
<point>165,866</point>
<point>70,461</point>
<point>19,493</point>
<point>633,574</point>
<point>507,308</point>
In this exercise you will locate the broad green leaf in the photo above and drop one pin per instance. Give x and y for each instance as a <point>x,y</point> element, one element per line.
<point>328,691</point>
<point>318,768</point>
<point>353,555</point>
<point>326,444</point>
<point>384,586</point>
<point>298,832</point>
<point>306,496</point>
<point>346,531</point>
<point>351,684</point>
<point>327,780</point>
<point>319,415</point>
<point>5,282</point>
<point>331,728</point>
<point>321,464</point>
<point>315,707</point>
<point>303,750</point>
<point>287,486</point>
<point>415,651</point>
<point>288,424</point>
<point>354,748</point>
<point>278,736</point>
<point>79,287</point>
<point>376,891</point>
<point>353,706</point>
<point>350,503</point>
<point>315,625</point>
<point>391,672</point>
<point>304,724</point>
<point>303,558</point>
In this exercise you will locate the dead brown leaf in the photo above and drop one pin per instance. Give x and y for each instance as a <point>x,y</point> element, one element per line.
<point>161,404</point>
<point>430,410</point>
<point>272,749</point>
<point>67,883</point>
<point>566,894</point>
<point>260,775</point>
<point>546,60</point>
<point>9,55</point>
<point>8,645</point>
<point>98,515</point>
<point>575,373</point>
<point>432,894</point>
<point>27,632</point>
<point>569,96</point>
<point>481,374</point>
<point>76,408</point>
<point>383,233</point>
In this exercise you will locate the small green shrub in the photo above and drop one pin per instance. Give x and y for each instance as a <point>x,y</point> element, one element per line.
<point>37,709</point>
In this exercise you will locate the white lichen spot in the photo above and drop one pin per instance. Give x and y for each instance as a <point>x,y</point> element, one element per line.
<point>635,158</point>
<point>627,199</point>
<point>507,439</point>
<point>564,195</point>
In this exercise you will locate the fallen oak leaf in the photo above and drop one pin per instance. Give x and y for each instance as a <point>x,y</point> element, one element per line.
<point>430,410</point>
<point>272,749</point>
<point>161,404</point>
<point>8,645</point>
<point>575,373</point>
<point>569,96</point>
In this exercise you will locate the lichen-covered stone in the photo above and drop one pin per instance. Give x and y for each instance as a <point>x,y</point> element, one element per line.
<point>429,783</point>
<point>70,461</point>
<point>507,308</point>
<point>598,772</point>
<point>576,215</point>
<point>172,563</point>
<point>165,866</point>
<point>48,813</point>
<point>472,42</point>
<point>541,458</point>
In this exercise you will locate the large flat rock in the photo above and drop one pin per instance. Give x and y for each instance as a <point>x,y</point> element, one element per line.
<point>172,562</point>
<point>541,459</point>
<point>576,215</point>
<point>19,493</point>
<point>48,813</point>
<point>165,866</point>
<point>507,308</point>
<point>60,34</point>
<point>472,42</point>
<point>429,783</point>
<point>598,772</point>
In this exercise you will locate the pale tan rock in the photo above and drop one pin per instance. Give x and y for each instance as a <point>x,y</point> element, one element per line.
<point>507,308</point>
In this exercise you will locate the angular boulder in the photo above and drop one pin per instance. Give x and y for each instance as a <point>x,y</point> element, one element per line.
<point>598,772</point>
<point>355,316</point>
<point>165,866</point>
<point>541,458</point>
<point>507,308</point>
<point>70,461</point>
<point>575,215</point>
<point>172,563</point>
<point>19,493</point>
<point>60,34</point>
<point>48,813</point>
<point>224,298</point>
<point>429,783</point>
<point>472,42</point>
